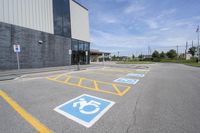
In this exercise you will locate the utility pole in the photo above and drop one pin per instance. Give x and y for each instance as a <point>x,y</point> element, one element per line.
<point>192,43</point>
<point>177,51</point>
<point>103,54</point>
<point>118,55</point>
<point>149,51</point>
<point>198,48</point>
<point>186,47</point>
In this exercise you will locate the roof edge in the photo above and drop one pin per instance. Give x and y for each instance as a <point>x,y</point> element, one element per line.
<point>80,4</point>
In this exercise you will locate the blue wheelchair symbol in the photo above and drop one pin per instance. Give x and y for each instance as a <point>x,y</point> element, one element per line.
<point>85,109</point>
<point>83,104</point>
<point>127,81</point>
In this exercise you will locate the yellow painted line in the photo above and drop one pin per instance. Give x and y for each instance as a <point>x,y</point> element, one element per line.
<point>80,81</point>
<point>85,87</point>
<point>96,88</point>
<point>67,80</point>
<point>30,119</point>
<point>125,91</point>
<point>58,76</point>
<point>96,85</point>
<point>108,83</point>
<point>118,91</point>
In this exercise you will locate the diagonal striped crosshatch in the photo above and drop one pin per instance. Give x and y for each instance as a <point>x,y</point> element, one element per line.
<point>91,84</point>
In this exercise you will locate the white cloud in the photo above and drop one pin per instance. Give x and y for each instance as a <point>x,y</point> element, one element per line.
<point>133,8</point>
<point>109,20</point>
<point>166,13</point>
<point>164,29</point>
<point>152,24</point>
<point>138,26</point>
<point>104,39</point>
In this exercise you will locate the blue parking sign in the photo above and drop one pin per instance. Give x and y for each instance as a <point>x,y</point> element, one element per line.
<point>127,81</point>
<point>85,109</point>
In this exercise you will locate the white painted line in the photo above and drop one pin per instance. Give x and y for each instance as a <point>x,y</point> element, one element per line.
<point>142,70</point>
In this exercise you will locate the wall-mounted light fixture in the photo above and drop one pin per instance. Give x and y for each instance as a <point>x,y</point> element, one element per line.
<point>40,42</point>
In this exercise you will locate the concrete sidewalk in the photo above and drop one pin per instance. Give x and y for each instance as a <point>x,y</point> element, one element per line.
<point>12,74</point>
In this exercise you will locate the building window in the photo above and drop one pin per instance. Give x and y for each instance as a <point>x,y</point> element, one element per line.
<point>80,52</point>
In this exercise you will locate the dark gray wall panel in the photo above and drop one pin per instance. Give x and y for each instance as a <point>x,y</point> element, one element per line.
<point>53,52</point>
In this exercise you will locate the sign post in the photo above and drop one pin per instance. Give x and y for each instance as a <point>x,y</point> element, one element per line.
<point>103,59</point>
<point>17,50</point>
<point>86,53</point>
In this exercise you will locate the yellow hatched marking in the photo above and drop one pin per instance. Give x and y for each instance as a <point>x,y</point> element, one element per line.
<point>58,76</point>
<point>118,91</point>
<point>67,79</point>
<point>96,87</point>
<point>80,81</point>
<point>29,118</point>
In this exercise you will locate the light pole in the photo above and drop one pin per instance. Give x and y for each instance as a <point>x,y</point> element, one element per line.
<point>103,58</point>
<point>177,52</point>
<point>198,49</point>
<point>118,55</point>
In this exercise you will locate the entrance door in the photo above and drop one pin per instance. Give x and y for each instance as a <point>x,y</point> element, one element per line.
<point>79,56</point>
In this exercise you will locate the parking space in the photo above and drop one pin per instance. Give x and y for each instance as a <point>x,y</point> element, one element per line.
<point>112,81</point>
<point>78,101</point>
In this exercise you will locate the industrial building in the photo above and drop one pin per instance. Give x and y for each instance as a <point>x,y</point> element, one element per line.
<point>50,33</point>
<point>99,56</point>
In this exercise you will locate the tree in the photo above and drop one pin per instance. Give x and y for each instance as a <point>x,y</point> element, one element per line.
<point>140,56</point>
<point>133,56</point>
<point>192,50</point>
<point>162,55</point>
<point>171,54</point>
<point>156,54</point>
<point>114,58</point>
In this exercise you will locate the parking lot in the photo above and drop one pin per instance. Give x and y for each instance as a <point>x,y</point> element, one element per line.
<point>38,96</point>
<point>112,99</point>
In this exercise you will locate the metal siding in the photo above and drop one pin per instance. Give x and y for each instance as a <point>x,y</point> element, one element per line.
<point>20,13</point>
<point>79,22</point>
<point>26,18</point>
<point>33,7</point>
<point>50,15</point>
<point>47,15</point>
<point>33,14</point>
<point>23,15</point>
<point>15,13</point>
<point>1,10</point>
<point>6,11</point>
<point>10,11</point>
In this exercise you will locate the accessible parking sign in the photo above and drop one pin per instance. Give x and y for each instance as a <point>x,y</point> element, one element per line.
<point>85,109</point>
<point>127,81</point>
<point>135,75</point>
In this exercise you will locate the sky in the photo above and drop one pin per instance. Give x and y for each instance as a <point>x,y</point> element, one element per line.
<point>131,26</point>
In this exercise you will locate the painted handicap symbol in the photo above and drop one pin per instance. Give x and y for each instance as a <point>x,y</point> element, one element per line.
<point>83,103</point>
<point>127,81</point>
<point>85,109</point>
<point>135,75</point>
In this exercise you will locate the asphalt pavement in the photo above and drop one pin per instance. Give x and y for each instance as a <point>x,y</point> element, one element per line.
<point>165,100</point>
